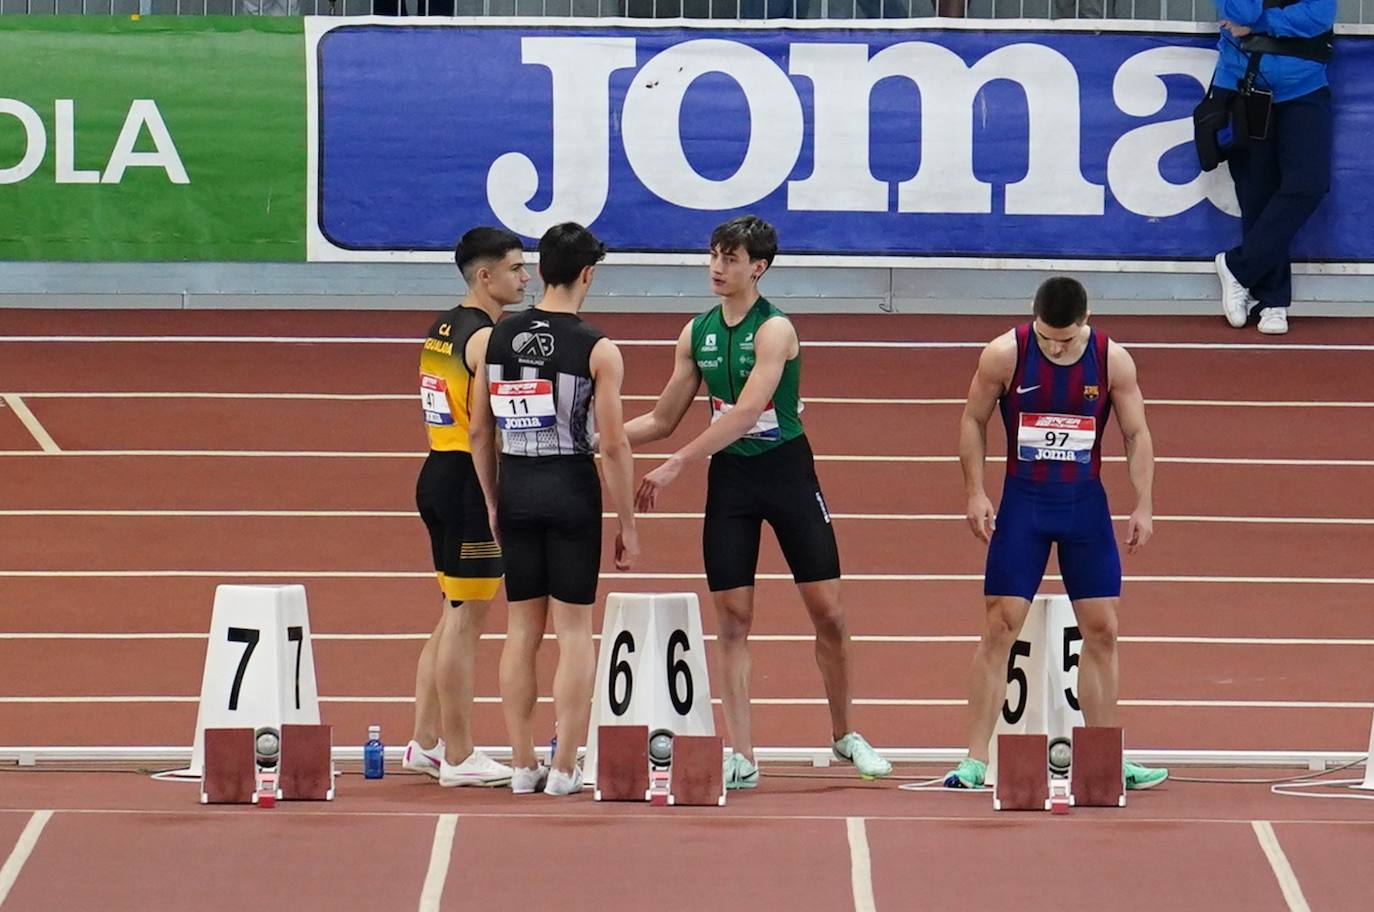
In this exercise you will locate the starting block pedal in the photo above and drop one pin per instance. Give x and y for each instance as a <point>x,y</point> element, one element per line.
<point>1023,782</point>
<point>229,774</point>
<point>622,763</point>
<point>306,765</point>
<point>1097,776</point>
<point>698,774</point>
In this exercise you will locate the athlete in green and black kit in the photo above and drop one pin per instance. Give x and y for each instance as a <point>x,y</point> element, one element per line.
<point>761,470</point>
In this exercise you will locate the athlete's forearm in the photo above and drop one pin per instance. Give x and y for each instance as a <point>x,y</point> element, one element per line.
<point>484,463</point>
<point>724,431</point>
<point>1140,463</point>
<point>973,450</point>
<point>617,464</point>
<point>646,428</point>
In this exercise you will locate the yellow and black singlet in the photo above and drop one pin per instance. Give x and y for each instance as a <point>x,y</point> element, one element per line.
<point>446,378</point>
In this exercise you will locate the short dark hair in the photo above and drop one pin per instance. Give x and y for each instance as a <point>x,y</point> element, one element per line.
<point>483,244</point>
<point>1061,302</point>
<point>565,250</point>
<point>758,238</point>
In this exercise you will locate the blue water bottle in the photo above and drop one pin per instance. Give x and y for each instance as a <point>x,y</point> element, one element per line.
<point>374,754</point>
<point>553,743</point>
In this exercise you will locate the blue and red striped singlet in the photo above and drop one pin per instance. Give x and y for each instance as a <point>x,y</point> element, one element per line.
<point>1055,414</point>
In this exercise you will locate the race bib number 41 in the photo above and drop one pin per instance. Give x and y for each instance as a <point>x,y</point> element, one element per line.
<point>1056,438</point>
<point>434,400</point>
<point>523,405</point>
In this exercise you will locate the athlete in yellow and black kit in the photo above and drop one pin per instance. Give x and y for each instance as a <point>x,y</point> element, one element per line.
<point>449,495</point>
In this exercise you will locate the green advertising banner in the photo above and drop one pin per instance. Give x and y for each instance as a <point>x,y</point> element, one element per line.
<point>161,139</point>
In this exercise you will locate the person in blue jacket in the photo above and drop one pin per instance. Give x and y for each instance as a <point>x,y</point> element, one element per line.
<point>1273,55</point>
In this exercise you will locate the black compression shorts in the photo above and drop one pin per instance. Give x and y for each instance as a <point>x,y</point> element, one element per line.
<point>466,558</point>
<point>549,514</point>
<point>778,487</point>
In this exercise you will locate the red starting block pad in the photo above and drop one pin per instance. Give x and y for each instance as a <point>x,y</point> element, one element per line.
<point>1097,778</point>
<point>306,767</point>
<point>622,763</point>
<point>698,774</point>
<point>1023,775</point>
<point>229,774</point>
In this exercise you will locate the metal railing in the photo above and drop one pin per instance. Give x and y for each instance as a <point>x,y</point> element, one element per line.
<point>1348,11</point>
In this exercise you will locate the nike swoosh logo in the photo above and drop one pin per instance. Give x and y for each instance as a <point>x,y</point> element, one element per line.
<point>1021,391</point>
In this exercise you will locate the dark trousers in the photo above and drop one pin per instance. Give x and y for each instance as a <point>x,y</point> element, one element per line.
<point>1280,181</point>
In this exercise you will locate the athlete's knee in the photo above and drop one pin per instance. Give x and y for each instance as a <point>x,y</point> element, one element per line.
<point>829,622</point>
<point>1099,630</point>
<point>734,619</point>
<point>1002,622</point>
<point>471,616</point>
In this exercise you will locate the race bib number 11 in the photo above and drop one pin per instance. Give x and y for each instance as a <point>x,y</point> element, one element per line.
<point>523,405</point>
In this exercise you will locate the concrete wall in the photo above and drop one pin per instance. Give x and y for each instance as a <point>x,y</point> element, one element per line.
<point>630,288</point>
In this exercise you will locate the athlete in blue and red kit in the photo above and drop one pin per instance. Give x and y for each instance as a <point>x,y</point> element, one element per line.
<point>1056,380</point>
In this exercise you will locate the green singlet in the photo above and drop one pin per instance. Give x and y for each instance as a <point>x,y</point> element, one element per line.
<point>725,357</point>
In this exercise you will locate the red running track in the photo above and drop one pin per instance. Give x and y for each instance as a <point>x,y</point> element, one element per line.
<point>1246,625</point>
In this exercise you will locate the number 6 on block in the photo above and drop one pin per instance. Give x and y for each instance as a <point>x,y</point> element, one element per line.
<point>651,669</point>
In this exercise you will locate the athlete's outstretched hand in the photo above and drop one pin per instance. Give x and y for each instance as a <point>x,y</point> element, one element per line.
<point>982,517</point>
<point>656,481</point>
<point>626,548</point>
<point>1139,530</point>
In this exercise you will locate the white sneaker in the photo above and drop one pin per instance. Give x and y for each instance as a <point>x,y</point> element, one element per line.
<point>561,783</point>
<point>418,759</point>
<point>528,781</point>
<point>1235,298</point>
<point>477,769</point>
<point>1273,321</point>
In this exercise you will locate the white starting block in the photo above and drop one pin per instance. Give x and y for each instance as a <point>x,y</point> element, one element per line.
<point>1369,763</point>
<point>259,667</point>
<point>651,668</point>
<point>1042,679</point>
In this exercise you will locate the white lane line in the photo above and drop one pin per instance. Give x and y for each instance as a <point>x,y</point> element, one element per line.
<point>639,397</point>
<point>409,515</point>
<point>658,457</point>
<point>883,639</point>
<point>668,343</point>
<point>860,865</point>
<point>757,701</point>
<point>22,849</point>
<point>31,423</point>
<point>440,855</point>
<point>615,575</point>
<point>1278,861</point>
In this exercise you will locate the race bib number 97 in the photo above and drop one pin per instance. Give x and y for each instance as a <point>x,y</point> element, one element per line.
<point>1056,438</point>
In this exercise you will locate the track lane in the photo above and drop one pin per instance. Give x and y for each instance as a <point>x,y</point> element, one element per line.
<point>882,608</point>
<point>214,483</point>
<point>782,670</point>
<point>392,368</point>
<point>399,544</point>
<point>1156,728</point>
<point>841,429</point>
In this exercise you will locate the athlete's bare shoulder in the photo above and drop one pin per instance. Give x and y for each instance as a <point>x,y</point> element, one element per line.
<point>999,356</point>
<point>1121,371</point>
